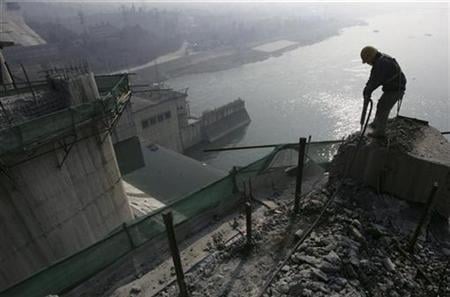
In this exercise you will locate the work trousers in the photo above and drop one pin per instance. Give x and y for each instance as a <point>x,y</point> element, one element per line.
<point>384,106</point>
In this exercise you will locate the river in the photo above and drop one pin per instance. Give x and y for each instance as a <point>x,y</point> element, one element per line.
<point>317,89</point>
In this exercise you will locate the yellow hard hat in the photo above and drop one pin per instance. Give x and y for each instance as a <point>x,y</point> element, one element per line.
<point>368,53</point>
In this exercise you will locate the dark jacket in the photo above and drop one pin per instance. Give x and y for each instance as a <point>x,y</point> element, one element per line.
<point>387,73</point>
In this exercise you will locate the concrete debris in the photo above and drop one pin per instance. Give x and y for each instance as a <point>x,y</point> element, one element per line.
<point>299,233</point>
<point>388,264</point>
<point>364,260</point>
<point>401,133</point>
<point>357,250</point>
<point>135,291</point>
<point>406,165</point>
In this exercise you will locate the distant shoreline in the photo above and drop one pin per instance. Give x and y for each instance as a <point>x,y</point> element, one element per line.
<point>225,59</point>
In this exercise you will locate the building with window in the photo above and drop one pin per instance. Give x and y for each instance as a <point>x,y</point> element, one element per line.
<point>159,116</point>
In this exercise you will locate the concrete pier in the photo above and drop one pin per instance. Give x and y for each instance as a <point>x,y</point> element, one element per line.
<point>408,175</point>
<point>57,199</point>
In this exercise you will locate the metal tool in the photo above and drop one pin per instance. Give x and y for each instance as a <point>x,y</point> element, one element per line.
<point>367,103</point>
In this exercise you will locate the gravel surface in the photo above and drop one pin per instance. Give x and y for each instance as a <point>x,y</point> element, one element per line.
<point>359,250</point>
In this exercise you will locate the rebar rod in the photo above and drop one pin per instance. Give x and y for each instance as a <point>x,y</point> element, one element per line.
<point>248,220</point>
<point>298,183</point>
<point>292,144</point>
<point>168,221</point>
<point>424,218</point>
<point>29,83</point>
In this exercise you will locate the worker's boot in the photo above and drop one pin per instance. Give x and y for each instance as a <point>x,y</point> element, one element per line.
<point>376,134</point>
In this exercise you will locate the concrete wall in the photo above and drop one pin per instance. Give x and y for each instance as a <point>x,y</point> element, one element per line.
<point>212,116</point>
<point>14,28</point>
<point>215,124</point>
<point>129,155</point>
<point>163,131</point>
<point>50,212</point>
<point>224,120</point>
<point>50,209</point>
<point>176,134</point>
<point>225,125</point>
<point>125,127</point>
<point>127,145</point>
<point>402,175</point>
<point>183,111</point>
<point>192,135</point>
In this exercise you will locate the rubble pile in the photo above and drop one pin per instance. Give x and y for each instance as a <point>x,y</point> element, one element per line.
<point>401,133</point>
<point>360,247</point>
<point>233,268</point>
<point>358,250</point>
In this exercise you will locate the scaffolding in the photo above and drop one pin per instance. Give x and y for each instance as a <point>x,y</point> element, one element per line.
<point>56,121</point>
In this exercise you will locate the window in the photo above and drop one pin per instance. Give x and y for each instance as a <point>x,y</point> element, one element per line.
<point>152,121</point>
<point>160,117</point>
<point>144,124</point>
<point>167,115</point>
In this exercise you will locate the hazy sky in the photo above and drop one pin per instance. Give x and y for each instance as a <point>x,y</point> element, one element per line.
<point>326,8</point>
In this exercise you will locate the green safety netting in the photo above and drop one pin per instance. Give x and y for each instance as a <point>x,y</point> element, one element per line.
<point>24,135</point>
<point>320,152</point>
<point>75,269</point>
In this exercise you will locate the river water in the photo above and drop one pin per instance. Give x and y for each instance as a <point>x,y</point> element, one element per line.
<point>317,90</point>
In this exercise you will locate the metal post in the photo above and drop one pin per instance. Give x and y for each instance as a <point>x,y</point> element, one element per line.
<point>248,216</point>
<point>250,190</point>
<point>425,217</point>
<point>233,176</point>
<point>309,144</point>
<point>244,191</point>
<point>29,83</point>
<point>298,184</point>
<point>12,76</point>
<point>127,232</point>
<point>5,113</point>
<point>3,107</point>
<point>168,221</point>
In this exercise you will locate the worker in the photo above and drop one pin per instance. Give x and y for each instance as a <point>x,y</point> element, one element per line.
<point>387,73</point>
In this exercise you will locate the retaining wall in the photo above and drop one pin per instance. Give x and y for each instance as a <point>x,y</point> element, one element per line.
<point>215,124</point>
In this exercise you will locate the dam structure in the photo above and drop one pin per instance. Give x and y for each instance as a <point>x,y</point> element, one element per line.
<point>162,116</point>
<point>60,185</point>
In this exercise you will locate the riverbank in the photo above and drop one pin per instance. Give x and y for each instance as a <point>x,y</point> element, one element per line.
<point>228,57</point>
